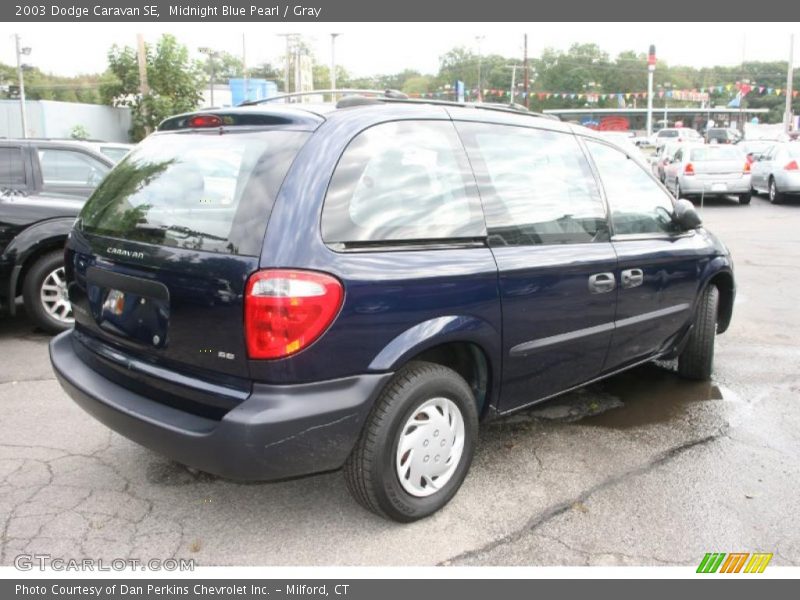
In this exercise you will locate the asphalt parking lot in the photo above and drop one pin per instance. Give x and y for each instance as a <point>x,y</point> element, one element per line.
<point>644,469</point>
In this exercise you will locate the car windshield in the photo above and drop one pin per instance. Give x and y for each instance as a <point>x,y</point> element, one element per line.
<point>711,153</point>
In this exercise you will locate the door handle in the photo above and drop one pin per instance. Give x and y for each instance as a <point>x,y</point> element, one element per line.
<point>600,283</point>
<point>631,278</point>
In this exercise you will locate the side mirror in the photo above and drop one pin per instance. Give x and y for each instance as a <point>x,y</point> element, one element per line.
<point>686,215</point>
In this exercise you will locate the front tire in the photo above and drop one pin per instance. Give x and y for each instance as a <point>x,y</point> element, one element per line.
<point>417,444</point>
<point>696,361</point>
<point>45,294</point>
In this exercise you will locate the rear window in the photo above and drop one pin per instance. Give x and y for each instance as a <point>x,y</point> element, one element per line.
<point>667,133</point>
<point>202,191</point>
<point>12,169</point>
<point>710,153</point>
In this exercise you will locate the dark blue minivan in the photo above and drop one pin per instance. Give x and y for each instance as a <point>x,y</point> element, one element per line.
<point>282,289</point>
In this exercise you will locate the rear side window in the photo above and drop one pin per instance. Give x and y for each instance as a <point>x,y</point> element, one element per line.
<point>536,185</point>
<point>69,167</point>
<point>202,191</point>
<point>402,181</point>
<point>638,204</point>
<point>12,168</point>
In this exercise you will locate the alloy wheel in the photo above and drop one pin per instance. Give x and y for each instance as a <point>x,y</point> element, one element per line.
<point>53,295</point>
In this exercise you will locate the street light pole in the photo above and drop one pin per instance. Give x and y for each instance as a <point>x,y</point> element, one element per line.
<point>23,113</point>
<point>479,39</point>
<point>651,67</point>
<point>333,63</point>
<point>787,116</point>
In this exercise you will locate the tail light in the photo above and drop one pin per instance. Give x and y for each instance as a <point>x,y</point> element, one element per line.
<point>747,166</point>
<point>689,169</point>
<point>205,121</point>
<point>286,310</point>
<point>792,166</point>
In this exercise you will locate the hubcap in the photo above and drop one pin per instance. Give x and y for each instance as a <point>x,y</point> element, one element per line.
<point>772,190</point>
<point>54,297</point>
<point>430,447</point>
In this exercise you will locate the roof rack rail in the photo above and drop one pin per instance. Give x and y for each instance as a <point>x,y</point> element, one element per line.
<point>509,108</point>
<point>356,97</point>
<point>393,94</point>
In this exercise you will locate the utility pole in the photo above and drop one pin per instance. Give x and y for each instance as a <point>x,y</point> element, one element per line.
<point>244,67</point>
<point>290,37</point>
<point>212,57</point>
<point>298,71</point>
<point>514,79</point>
<point>144,88</point>
<point>527,75</point>
<point>333,63</point>
<point>787,115</point>
<point>651,67</point>
<point>479,39</point>
<point>23,113</point>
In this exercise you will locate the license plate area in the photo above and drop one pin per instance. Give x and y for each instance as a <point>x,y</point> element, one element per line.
<point>719,187</point>
<point>128,307</point>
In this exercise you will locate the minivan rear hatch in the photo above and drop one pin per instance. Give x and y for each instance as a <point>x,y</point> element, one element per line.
<point>161,253</point>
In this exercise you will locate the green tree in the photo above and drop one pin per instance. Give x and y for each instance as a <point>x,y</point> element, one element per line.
<point>174,80</point>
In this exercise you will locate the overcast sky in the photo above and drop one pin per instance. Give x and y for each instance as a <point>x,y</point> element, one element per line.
<point>372,48</point>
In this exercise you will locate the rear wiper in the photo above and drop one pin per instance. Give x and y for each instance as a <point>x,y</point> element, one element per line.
<point>185,231</point>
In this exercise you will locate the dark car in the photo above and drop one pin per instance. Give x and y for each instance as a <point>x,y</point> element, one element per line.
<point>270,291</point>
<point>43,186</point>
<point>722,135</point>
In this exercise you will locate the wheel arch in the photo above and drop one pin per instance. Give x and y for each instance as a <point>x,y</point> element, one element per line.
<point>723,280</point>
<point>465,344</point>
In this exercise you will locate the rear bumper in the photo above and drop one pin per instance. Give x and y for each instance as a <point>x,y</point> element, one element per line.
<point>695,186</point>
<point>278,432</point>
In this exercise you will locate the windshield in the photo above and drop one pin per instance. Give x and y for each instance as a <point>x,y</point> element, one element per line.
<point>203,191</point>
<point>708,153</point>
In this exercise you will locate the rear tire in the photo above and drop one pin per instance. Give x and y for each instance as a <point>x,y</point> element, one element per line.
<point>44,292</point>
<point>744,199</point>
<point>775,196</point>
<point>696,361</point>
<point>374,469</point>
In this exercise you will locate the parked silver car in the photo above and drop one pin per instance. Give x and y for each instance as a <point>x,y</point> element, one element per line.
<point>663,157</point>
<point>709,170</point>
<point>776,173</point>
<point>676,134</point>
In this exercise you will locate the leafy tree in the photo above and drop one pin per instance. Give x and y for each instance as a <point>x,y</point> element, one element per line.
<point>174,81</point>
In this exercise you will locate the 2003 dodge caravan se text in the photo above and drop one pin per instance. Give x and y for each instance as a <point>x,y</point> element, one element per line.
<point>277,290</point>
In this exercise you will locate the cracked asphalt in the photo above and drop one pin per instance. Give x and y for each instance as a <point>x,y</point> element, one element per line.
<point>643,469</point>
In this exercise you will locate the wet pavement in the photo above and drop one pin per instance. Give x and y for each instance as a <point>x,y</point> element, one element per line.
<point>641,469</point>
